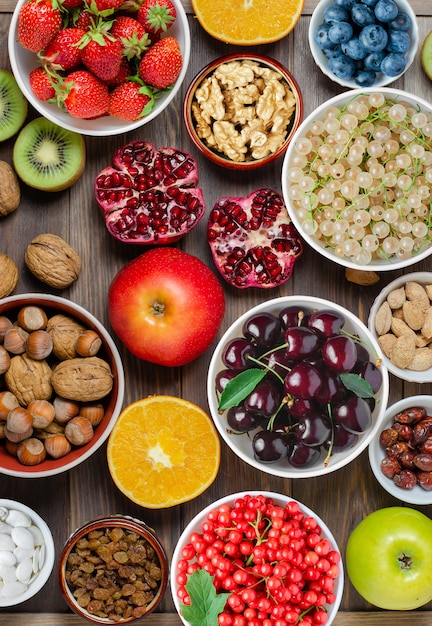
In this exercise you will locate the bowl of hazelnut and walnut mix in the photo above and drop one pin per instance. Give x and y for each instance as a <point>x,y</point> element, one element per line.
<point>241,110</point>
<point>61,385</point>
<point>113,569</point>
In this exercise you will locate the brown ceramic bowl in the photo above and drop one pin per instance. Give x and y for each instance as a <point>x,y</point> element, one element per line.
<point>112,403</point>
<point>252,158</point>
<point>130,535</point>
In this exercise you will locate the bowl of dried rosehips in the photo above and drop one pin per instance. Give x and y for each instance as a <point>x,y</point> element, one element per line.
<point>99,71</point>
<point>241,110</point>
<point>225,561</point>
<point>113,570</point>
<point>297,387</point>
<point>63,385</point>
<point>400,454</point>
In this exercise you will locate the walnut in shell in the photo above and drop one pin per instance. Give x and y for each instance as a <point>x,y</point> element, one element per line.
<point>10,193</point>
<point>8,275</point>
<point>64,332</point>
<point>53,261</point>
<point>82,379</point>
<point>28,379</point>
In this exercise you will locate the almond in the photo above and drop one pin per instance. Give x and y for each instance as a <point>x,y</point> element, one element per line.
<point>400,327</point>
<point>383,319</point>
<point>403,351</point>
<point>361,277</point>
<point>386,343</point>
<point>422,360</point>
<point>396,298</point>
<point>416,292</point>
<point>427,324</point>
<point>413,314</point>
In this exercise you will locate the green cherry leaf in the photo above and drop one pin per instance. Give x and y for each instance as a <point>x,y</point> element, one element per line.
<point>240,387</point>
<point>358,385</point>
<point>205,603</point>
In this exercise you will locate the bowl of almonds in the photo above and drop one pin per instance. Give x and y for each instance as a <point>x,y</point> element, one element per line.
<point>62,385</point>
<point>400,319</point>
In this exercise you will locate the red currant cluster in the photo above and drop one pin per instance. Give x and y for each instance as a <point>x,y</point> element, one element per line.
<point>272,559</point>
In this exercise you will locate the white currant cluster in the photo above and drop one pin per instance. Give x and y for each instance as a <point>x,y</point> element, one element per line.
<point>360,179</point>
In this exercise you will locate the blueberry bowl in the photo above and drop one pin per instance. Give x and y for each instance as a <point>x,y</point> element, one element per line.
<point>363,44</point>
<point>287,417</point>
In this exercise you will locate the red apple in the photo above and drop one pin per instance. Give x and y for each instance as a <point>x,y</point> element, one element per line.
<point>166,306</point>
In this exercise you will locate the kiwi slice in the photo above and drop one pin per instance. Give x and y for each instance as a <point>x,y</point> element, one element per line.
<point>426,55</point>
<point>13,106</point>
<point>48,157</point>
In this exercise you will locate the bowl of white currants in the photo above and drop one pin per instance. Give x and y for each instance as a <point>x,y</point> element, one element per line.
<point>297,387</point>
<point>357,179</point>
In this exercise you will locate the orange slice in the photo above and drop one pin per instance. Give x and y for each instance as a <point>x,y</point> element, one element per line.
<point>163,451</point>
<point>248,22</point>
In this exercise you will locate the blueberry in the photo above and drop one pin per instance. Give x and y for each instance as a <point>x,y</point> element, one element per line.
<point>402,21</point>
<point>373,37</point>
<point>362,15</point>
<point>335,14</point>
<point>373,61</point>
<point>370,3</point>
<point>354,49</point>
<point>332,53</point>
<point>386,10</point>
<point>340,31</point>
<point>321,37</point>
<point>346,4</point>
<point>342,67</point>
<point>365,78</point>
<point>393,64</point>
<point>399,41</point>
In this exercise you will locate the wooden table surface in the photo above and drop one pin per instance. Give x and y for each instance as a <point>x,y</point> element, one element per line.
<point>342,498</point>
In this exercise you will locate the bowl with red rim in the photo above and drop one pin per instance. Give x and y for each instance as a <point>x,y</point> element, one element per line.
<point>242,136</point>
<point>209,527</point>
<point>24,61</point>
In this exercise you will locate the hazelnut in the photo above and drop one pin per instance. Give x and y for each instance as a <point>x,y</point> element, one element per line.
<point>15,339</point>
<point>79,431</point>
<point>42,412</point>
<point>88,343</point>
<point>31,451</point>
<point>32,318</point>
<point>94,412</point>
<point>19,420</point>
<point>17,437</point>
<point>11,447</point>
<point>2,430</point>
<point>64,409</point>
<point>8,401</point>
<point>39,345</point>
<point>5,324</point>
<point>57,446</point>
<point>4,359</point>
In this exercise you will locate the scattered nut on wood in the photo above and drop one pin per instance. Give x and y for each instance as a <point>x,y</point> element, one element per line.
<point>8,275</point>
<point>361,277</point>
<point>53,261</point>
<point>10,192</point>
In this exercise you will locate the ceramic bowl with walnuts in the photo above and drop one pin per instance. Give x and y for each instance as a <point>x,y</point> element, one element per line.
<point>62,385</point>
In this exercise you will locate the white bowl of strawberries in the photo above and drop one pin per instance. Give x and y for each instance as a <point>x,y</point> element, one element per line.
<point>109,71</point>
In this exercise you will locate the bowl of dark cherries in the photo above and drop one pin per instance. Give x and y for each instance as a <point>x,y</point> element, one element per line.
<point>297,387</point>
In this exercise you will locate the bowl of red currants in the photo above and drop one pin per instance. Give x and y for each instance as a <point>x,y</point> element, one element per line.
<point>297,387</point>
<point>357,177</point>
<point>400,454</point>
<point>225,558</point>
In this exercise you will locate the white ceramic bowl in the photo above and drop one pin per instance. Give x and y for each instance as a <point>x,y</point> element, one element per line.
<point>195,525</point>
<point>424,278</point>
<point>23,62</point>
<point>417,495</point>
<point>319,114</point>
<point>46,553</point>
<point>113,402</point>
<point>322,60</point>
<point>241,444</point>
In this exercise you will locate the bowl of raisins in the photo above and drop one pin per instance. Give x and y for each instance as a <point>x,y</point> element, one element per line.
<point>357,179</point>
<point>297,387</point>
<point>400,454</point>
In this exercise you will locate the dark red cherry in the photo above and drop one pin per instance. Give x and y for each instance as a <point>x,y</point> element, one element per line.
<point>301,406</point>
<point>353,414</point>
<point>293,316</point>
<point>326,322</point>
<point>278,362</point>
<point>301,456</point>
<point>269,446</point>
<point>340,353</point>
<point>313,429</point>
<point>263,329</point>
<point>223,378</point>
<point>303,381</point>
<point>372,374</point>
<point>332,389</point>
<point>341,440</point>
<point>301,342</point>
<point>241,420</point>
<point>265,399</point>
<point>236,352</point>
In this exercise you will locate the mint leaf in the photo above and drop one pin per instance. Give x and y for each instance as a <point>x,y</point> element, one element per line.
<point>205,604</point>
<point>357,384</point>
<point>240,387</point>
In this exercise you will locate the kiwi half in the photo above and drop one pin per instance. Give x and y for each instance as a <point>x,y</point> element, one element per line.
<point>13,106</point>
<point>48,157</point>
<point>426,55</point>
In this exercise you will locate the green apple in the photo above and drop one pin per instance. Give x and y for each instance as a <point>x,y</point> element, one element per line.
<point>388,558</point>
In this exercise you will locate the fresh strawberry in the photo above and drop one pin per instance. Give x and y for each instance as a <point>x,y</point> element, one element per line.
<point>83,95</point>
<point>132,36</point>
<point>162,63</point>
<point>71,4</point>
<point>38,23</point>
<point>131,101</point>
<point>103,8</point>
<point>41,83</point>
<point>101,52</point>
<point>157,15</point>
<point>63,52</point>
<point>125,72</point>
<point>83,19</point>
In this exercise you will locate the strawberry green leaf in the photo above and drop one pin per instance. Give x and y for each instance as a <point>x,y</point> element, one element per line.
<point>357,384</point>
<point>240,387</point>
<point>205,603</point>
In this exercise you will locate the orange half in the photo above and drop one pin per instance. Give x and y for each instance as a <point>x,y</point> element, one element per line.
<point>163,451</point>
<point>248,22</point>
